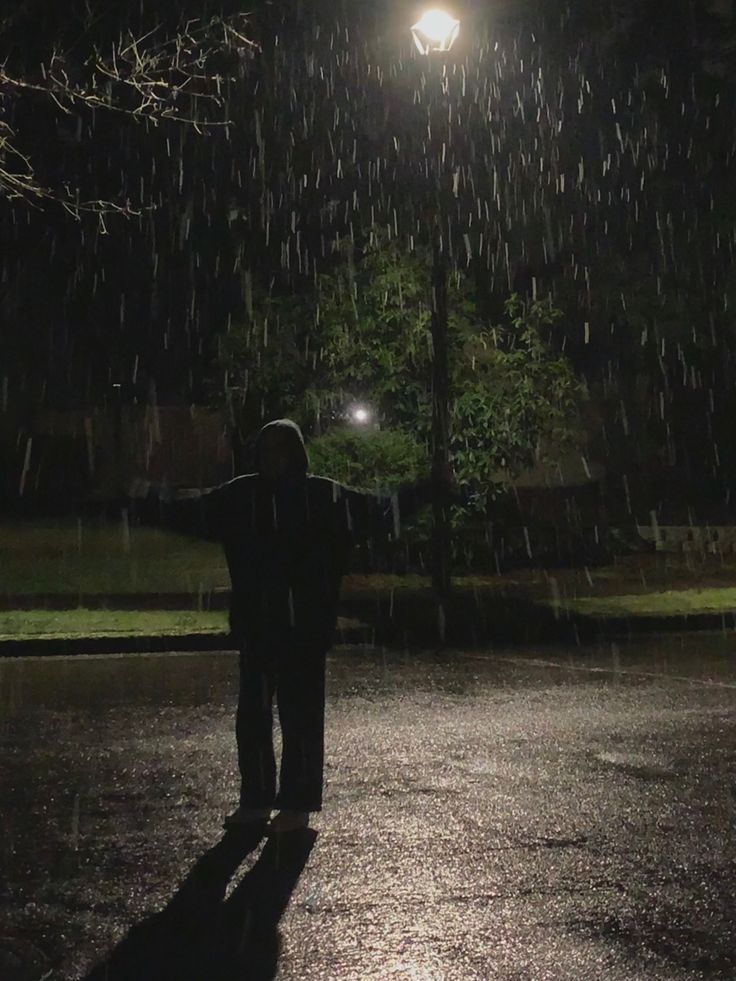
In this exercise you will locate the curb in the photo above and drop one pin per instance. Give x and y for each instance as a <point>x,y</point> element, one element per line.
<point>51,646</point>
<point>681,623</point>
<point>141,644</point>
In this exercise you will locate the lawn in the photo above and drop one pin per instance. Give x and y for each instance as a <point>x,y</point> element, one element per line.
<point>97,558</point>
<point>94,557</point>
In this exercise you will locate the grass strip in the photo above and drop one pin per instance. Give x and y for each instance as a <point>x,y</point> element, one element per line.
<point>78,623</point>
<point>81,622</point>
<point>97,557</point>
<point>670,602</point>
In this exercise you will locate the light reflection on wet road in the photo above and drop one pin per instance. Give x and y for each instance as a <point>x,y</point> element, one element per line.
<point>548,813</point>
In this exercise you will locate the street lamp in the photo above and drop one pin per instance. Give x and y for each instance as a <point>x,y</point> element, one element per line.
<point>436,30</point>
<point>433,34</point>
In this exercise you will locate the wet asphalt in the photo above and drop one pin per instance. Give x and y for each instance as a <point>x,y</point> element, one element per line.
<point>528,813</point>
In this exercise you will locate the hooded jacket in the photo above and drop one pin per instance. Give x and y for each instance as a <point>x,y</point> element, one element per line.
<point>286,542</point>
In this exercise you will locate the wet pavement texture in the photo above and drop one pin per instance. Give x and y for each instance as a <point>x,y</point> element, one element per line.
<point>521,814</point>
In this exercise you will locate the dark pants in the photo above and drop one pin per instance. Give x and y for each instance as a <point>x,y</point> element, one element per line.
<point>297,680</point>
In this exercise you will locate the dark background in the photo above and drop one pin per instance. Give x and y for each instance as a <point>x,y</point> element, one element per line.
<point>592,151</point>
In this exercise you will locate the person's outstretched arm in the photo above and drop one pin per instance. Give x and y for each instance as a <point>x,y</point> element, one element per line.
<point>380,515</point>
<point>373,516</point>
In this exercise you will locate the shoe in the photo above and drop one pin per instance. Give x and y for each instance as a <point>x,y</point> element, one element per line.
<point>247,817</point>
<point>288,820</point>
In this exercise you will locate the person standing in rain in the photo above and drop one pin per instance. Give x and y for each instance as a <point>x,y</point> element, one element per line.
<point>286,535</point>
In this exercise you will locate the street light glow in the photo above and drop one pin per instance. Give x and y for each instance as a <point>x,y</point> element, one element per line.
<point>435,31</point>
<point>361,414</point>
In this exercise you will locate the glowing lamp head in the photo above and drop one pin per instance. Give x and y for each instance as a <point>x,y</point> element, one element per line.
<point>435,31</point>
<point>361,414</point>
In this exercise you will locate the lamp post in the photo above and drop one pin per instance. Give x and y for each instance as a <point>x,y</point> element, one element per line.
<point>434,34</point>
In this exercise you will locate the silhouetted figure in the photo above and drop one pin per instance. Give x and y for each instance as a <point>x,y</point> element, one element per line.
<point>286,535</point>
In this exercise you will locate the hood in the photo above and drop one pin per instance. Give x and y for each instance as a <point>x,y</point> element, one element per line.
<point>299,461</point>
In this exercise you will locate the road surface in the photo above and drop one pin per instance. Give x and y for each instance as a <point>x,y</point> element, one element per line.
<point>562,814</point>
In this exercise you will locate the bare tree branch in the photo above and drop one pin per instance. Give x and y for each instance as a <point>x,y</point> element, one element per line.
<point>177,79</point>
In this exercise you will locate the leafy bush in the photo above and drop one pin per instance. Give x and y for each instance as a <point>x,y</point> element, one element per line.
<point>370,459</point>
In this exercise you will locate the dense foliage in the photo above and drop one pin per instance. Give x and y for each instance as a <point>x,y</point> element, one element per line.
<point>363,336</point>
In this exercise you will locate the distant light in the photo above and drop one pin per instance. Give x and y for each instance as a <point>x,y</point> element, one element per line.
<point>361,414</point>
<point>435,31</point>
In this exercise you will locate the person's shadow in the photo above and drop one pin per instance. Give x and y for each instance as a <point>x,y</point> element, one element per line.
<point>199,935</point>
